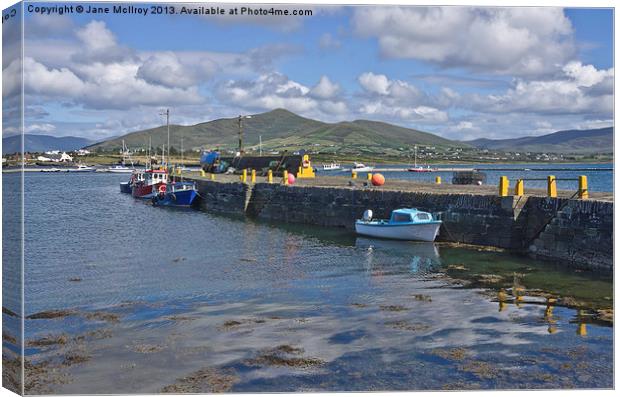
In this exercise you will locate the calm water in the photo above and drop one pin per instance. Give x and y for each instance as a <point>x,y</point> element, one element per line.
<point>598,181</point>
<point>156,295</point>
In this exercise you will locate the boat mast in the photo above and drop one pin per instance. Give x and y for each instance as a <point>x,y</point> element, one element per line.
<point>415,156</point>
<point>260,145</point>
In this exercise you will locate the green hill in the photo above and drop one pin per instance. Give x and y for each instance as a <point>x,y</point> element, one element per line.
<point>572,141</point>
<point>281,129</point>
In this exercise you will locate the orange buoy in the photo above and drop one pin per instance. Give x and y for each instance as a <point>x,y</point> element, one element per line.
<point>377,180</point>
<point>291,178</point>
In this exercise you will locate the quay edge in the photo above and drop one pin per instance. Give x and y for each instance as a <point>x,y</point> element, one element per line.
<point>575,233</point>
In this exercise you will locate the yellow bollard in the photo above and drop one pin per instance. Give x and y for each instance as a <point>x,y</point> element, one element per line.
<point>203,173</point>
<point>285,177</point>
<point>438,180</point>
<point>583,187</point>
<point>244,176</point>
<point>369,176</point>
<point>178,171</point>
<point>552,188</point>
<point>299,172</point>
<point>270,176</point>
<point>212,177</point>
<point>353,175</point>
<point>503,186</point>
<point>253,176</point>
<point>519,188</point>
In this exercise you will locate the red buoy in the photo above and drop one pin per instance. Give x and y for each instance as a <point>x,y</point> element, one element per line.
<point>291,178</point>
<point>377,180</point>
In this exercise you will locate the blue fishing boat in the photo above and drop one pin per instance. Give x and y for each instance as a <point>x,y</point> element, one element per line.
<point>404,224</point>
<point>177,194</point>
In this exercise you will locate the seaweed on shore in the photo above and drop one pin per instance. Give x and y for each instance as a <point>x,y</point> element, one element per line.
<point>206,380</point>
<point>280,356</point>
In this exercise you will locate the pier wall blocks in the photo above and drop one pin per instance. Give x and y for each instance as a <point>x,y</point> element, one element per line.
<point>578,233</point>
<point>473,219</point>
<point>228,198</point>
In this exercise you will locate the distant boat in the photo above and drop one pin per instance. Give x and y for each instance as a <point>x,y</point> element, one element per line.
<point>81,168</point>
<point>419,168</point>
<point>416,167</point>
<point>404,224</point>
<point>177,194</point>
<point>122,168</point>
<point>50,169</point>
<point>359,167</point>
<point>332,166</point>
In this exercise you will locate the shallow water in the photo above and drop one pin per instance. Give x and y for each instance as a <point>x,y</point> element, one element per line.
<point>155,295</point>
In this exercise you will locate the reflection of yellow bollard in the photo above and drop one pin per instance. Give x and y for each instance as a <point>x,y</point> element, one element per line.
<point>501,297</point>
<point>519,187</point>
<point>552,188</point>
<point>253,176</point>
<point>285,177</point>
<point>212,177</point>
<point>503,186</point>
<point>270,176</point>
<point>203,173</point>
<point>178,171</point>
<point>299,172</point>
<point>583,187</point>
<point>353,175</point>
<point>369,176</point>
<point>581,329</point>
<point>438,180</point>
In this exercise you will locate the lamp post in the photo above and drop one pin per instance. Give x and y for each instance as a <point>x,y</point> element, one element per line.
<point>240,121</point>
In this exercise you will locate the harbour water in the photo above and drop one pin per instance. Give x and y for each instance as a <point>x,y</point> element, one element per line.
<point>600,178</point>
<point>125,297</point>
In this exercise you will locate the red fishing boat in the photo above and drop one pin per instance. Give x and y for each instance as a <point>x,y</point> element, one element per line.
<point>146,184</point>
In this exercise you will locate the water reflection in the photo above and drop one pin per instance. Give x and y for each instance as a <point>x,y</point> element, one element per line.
<point>422,257</point>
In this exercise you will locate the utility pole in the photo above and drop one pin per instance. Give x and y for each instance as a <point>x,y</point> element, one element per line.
<point>167,114</point>
<point>240,121</point>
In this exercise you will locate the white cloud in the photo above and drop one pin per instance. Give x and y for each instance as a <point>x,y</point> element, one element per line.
<point>328,42</point>
<point>375,83</point>
<point>522,41</point>
<point>39,128</point>
<point>275,90</point>
<point>325,88</point>
<point>581,90</point>
<point>166,69</point>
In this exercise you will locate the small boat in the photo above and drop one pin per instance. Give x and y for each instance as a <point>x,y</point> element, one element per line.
<point>120,169</point>
<point>404,224</point>
<point>419,168</point>
<point>126,187</point>
<point>81,168</point>
<point>177,194</point>
<point>359,167</point>
<point>332,166</point>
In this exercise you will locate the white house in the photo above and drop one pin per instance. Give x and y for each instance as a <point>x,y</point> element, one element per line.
<point>56,158</point>
<point>83,152</point>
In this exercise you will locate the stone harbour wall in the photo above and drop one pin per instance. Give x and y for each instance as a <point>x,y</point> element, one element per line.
<point>578,233</point>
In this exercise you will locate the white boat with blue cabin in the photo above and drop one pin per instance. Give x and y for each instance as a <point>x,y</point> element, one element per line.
<point>404,224</point>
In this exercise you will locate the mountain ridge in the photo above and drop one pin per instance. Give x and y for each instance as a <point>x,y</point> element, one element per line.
<point>565,141</point>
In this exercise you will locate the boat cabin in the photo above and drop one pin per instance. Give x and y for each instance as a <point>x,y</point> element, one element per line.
<point>409,215</point>
<point>154,177</point>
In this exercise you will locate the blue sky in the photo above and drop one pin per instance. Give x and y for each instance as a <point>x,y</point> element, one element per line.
<point>459,72</point>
